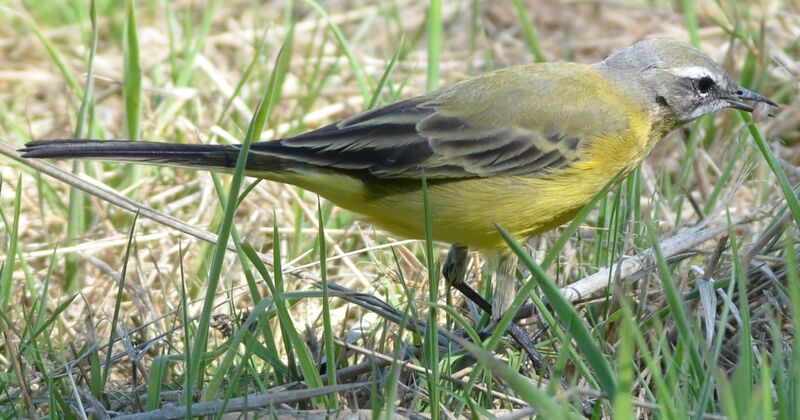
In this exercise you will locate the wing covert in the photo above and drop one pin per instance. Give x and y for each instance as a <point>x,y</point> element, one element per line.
<point>495,151</point>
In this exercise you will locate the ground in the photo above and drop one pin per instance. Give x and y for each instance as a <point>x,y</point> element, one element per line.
<point>203,66</point>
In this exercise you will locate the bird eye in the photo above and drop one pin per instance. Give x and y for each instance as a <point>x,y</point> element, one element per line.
<point>704,84</point>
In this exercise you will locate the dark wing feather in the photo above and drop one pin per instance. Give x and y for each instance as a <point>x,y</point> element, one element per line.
<point>412,137</point>
<point>383,137</point>
<point>494,151</point>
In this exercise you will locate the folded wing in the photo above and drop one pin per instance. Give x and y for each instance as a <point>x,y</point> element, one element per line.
<point>434,135</point>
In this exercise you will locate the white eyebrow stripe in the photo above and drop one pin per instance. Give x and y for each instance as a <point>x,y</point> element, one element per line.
<point>692,72</point>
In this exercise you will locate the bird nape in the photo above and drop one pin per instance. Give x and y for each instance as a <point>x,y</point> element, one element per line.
<point>523,147</point>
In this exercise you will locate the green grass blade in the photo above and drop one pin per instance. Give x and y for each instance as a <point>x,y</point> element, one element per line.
<point>245,76</point>
<point>676,307</point>
<point>157,374</point>
<point>40,306</point>
<point>743,374</point>
<point>118,304</point>
<point>663,390</point>
<point>434,27</point>
<point>75,229</point>
<point>774,166</point>
<point>392,382</point>
<point>724,178</point>
<point>431,344</point>
<point>691,22</point>
<point>355,65</point>
<point>170,23</point>
<point>223,370</point>
<point>191,53</point>
<point>530,33</point>
<point>327,328</point>
<point>253,133</point>
<point>59,61</point>
<point>272,353</point>
<point>188,396</point>
<point>298,346</point>
<point>132,73</point>
<point>792,408</point>
<point>567,314</point>
<point>224,367</point>
<point>45,326</point>
<point>11,253</point>
<point>76,213</point>
<point>622,399</point>
<point>545,407</point>
<point>387,73</point>
<point>87,100</point>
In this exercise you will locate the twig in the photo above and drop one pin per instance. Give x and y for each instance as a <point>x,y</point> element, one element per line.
<point>631,267</point>
<point>246,403</point>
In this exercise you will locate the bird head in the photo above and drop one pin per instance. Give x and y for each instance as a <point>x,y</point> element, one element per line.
<point>676,82</point>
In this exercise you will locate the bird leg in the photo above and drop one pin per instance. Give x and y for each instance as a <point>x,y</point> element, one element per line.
<point>505,285</point>
<point>505,291</point>
<point>454,271</point>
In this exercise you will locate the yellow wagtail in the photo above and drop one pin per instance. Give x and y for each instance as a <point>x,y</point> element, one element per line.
<point>523,147</point>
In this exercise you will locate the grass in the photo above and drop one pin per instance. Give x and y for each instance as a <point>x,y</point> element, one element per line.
<point>296,307</point>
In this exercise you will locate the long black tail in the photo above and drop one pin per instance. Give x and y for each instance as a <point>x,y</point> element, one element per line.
<point>199,156</point>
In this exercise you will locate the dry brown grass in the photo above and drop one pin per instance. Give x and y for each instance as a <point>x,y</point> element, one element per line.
<point>37,103</point>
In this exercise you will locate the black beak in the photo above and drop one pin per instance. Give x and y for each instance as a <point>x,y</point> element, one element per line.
<point>742,94</point>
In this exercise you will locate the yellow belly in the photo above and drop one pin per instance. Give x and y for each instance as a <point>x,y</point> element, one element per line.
<point>467,212</point>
